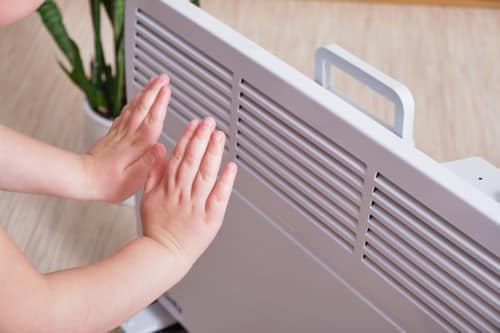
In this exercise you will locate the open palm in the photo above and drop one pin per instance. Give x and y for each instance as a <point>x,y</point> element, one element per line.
<point>118,164</point>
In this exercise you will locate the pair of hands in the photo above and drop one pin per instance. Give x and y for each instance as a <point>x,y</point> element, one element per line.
<point>183,204</point>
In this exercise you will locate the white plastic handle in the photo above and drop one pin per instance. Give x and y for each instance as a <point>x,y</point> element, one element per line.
<point>393,90</point>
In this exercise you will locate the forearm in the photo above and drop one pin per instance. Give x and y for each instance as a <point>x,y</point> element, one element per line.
<point>32,166</point>
<point>94,298</point>
<point>99,297</point>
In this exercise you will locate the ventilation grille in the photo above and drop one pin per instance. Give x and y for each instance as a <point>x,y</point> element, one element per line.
<point>200,86</point>
<point>449,275</point>
<point>320,179</point>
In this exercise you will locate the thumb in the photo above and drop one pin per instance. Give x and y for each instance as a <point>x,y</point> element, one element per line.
<point>147,164</point>
<point>156,172</point>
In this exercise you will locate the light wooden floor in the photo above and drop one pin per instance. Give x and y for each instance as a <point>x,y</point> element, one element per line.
<point>448,57</point>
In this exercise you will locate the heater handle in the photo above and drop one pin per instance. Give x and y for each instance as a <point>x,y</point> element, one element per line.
<point>394,91</point>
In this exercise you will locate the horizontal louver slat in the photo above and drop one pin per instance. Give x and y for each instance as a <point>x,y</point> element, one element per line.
<point>321,179</point>
<point>426,248</point>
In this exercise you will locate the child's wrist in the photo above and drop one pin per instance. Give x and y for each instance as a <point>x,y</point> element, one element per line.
<point>171,246</point>
<point>180,260</point>
<point>89,189</point>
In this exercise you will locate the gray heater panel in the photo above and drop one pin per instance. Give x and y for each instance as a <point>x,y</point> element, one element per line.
<point>337,223</point>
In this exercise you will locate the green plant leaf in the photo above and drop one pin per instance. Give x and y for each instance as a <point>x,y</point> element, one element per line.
<point>51,18</point>
<point>119,93</point>
<point>196,2</point>
<point>104,89</point>
<point>98,62</point>
<point>116,13</point>
<point>93,95</point>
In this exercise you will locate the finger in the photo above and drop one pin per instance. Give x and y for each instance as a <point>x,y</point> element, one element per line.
<point>125,113</point>
<point>141,92</point>
<point>219,198</point>
<point>143,102</point>
<point>193,155</point>
<point>156,173</point>
<point>122,119</point>
<point>209,168</point>
<point>152,126</point>
<point>178,153</point>
<point>116,122</point>
<point>137,172</point>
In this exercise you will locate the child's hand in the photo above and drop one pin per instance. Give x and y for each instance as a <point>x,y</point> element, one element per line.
<point>184,204</point>
<point>119,162</point>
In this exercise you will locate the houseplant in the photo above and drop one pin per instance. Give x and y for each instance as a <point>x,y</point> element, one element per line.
<point>104,88</point>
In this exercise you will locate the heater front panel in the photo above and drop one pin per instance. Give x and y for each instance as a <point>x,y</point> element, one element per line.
<point>335,220</point>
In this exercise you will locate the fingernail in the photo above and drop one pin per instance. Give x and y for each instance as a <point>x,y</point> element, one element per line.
<point>193,123</point>
<point>162,78</point>
<point>208,122</point>
<point>231,167</point>
<point>219,136</point>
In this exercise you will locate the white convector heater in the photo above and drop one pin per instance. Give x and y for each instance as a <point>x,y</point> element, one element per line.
<point>337,222</point>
